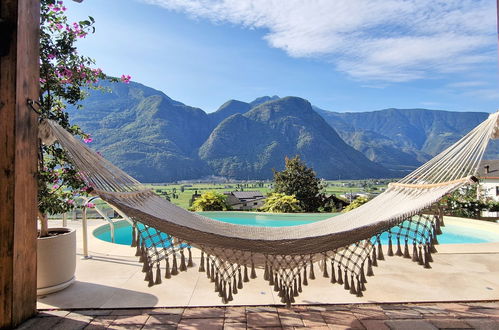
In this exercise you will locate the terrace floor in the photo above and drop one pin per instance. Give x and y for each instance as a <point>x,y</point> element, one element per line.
<point>110,291</point>
<point>482,315</point>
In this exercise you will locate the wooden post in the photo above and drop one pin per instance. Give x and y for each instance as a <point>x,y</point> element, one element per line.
<point>19,80</point>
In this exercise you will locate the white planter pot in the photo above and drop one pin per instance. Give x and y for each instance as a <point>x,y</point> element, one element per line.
<point>56,261</point>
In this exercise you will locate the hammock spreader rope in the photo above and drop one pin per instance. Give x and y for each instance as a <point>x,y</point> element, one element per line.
<point>345,247</point>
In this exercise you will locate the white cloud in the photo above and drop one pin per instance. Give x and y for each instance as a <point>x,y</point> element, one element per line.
<point>387,40</point>
<point>467,84</point>
<point>491,93</point>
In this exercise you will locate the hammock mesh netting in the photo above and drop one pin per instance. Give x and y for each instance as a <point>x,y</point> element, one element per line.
<point>344,248</point>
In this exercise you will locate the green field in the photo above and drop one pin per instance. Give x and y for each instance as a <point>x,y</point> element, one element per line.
<point>183,192</point>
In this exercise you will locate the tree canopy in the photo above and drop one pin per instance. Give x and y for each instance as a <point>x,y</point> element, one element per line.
<point>301,181</point>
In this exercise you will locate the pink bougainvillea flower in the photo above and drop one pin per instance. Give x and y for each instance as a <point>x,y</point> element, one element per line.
<point>88,139</point>
<point>56,186</point>
<point>70,202</point>
<point>126,78</point>
<point>90,205</point>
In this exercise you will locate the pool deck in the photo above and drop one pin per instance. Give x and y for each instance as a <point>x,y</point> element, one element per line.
<point>112,279</point>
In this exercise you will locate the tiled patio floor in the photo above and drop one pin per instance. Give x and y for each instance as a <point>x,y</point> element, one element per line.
<point>477,315</point>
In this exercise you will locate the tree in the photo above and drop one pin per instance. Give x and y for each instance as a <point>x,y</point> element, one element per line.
<point>299,180</point>
<point>281,203</point>
<point>65,76</point>
<point>210,201</point>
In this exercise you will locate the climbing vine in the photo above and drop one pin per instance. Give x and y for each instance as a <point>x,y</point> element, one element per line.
<point>66,76</point>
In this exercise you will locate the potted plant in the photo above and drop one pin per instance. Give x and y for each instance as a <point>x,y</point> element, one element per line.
<point>65,77</point>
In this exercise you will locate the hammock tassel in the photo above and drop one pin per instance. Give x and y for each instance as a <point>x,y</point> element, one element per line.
<point>201,263</point>
<point>375,259</point>
<point>145,266</point>
<point>414,252</point>
<point>340,276</point>
<point>291,297</point>
<point>299,282</point>
<point>239,279</point>
<point>150,277</point>
<point>217,287</point>
<point>295,288</point>
<point>134,236</point>
<point>381,256</point>
<point>360,288</point>
<point>138,250</point>
<point>142,253</point>
<point>362,274</point>
<point>390,246</point>
<point>174,266</point>
<point>167,270</point>
<point>399,249</point>
<point>158,275</point>
<point>369,267</point>
<point>433,249</point>
<point>276,283</point>
<point>208,272</point>
<point>253,272</point>
<point>352,286</point>
<point>427,257</point>
<point>234,285</point>
<point>246,279</point>
<point>346,284</point>
<point>213,271</point>
<point>305,281</point>
<point>223,292</point>
<point>333,275</point>
<point>420,257</point>
<point>312,274</point>
<point>271,276</point>
<point>406,251</point>
<point>266,272</point>
<point>285,297</point>
<point>145,269</point>
<point>230,298</point>
<point>438,230</point>
<point>189,262</point>
<point>183,266</point>
<point>325,274</point>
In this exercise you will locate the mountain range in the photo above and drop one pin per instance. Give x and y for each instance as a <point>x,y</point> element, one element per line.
<point>157,139</point>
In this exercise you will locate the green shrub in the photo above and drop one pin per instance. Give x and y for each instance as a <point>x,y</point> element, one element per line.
<point>361,200</point>
<point>210,201</point>
<point>281,203</point>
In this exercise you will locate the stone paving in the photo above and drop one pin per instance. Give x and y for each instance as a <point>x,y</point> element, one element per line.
<point>469,315</point>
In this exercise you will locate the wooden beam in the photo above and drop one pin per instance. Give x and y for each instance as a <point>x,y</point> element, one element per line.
<point>19,80</point>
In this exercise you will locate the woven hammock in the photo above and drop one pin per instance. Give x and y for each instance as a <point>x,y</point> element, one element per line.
<point>345,248</point>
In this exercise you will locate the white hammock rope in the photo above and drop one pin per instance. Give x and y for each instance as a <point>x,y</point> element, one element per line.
<point>346,246</point>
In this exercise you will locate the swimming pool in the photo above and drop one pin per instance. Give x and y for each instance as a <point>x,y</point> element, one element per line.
<point>453,233</point>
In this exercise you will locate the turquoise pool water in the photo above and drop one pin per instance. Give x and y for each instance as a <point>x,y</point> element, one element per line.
<point>452,234</point>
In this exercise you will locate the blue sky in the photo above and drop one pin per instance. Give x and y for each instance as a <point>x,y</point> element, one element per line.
<point>342,55</point>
